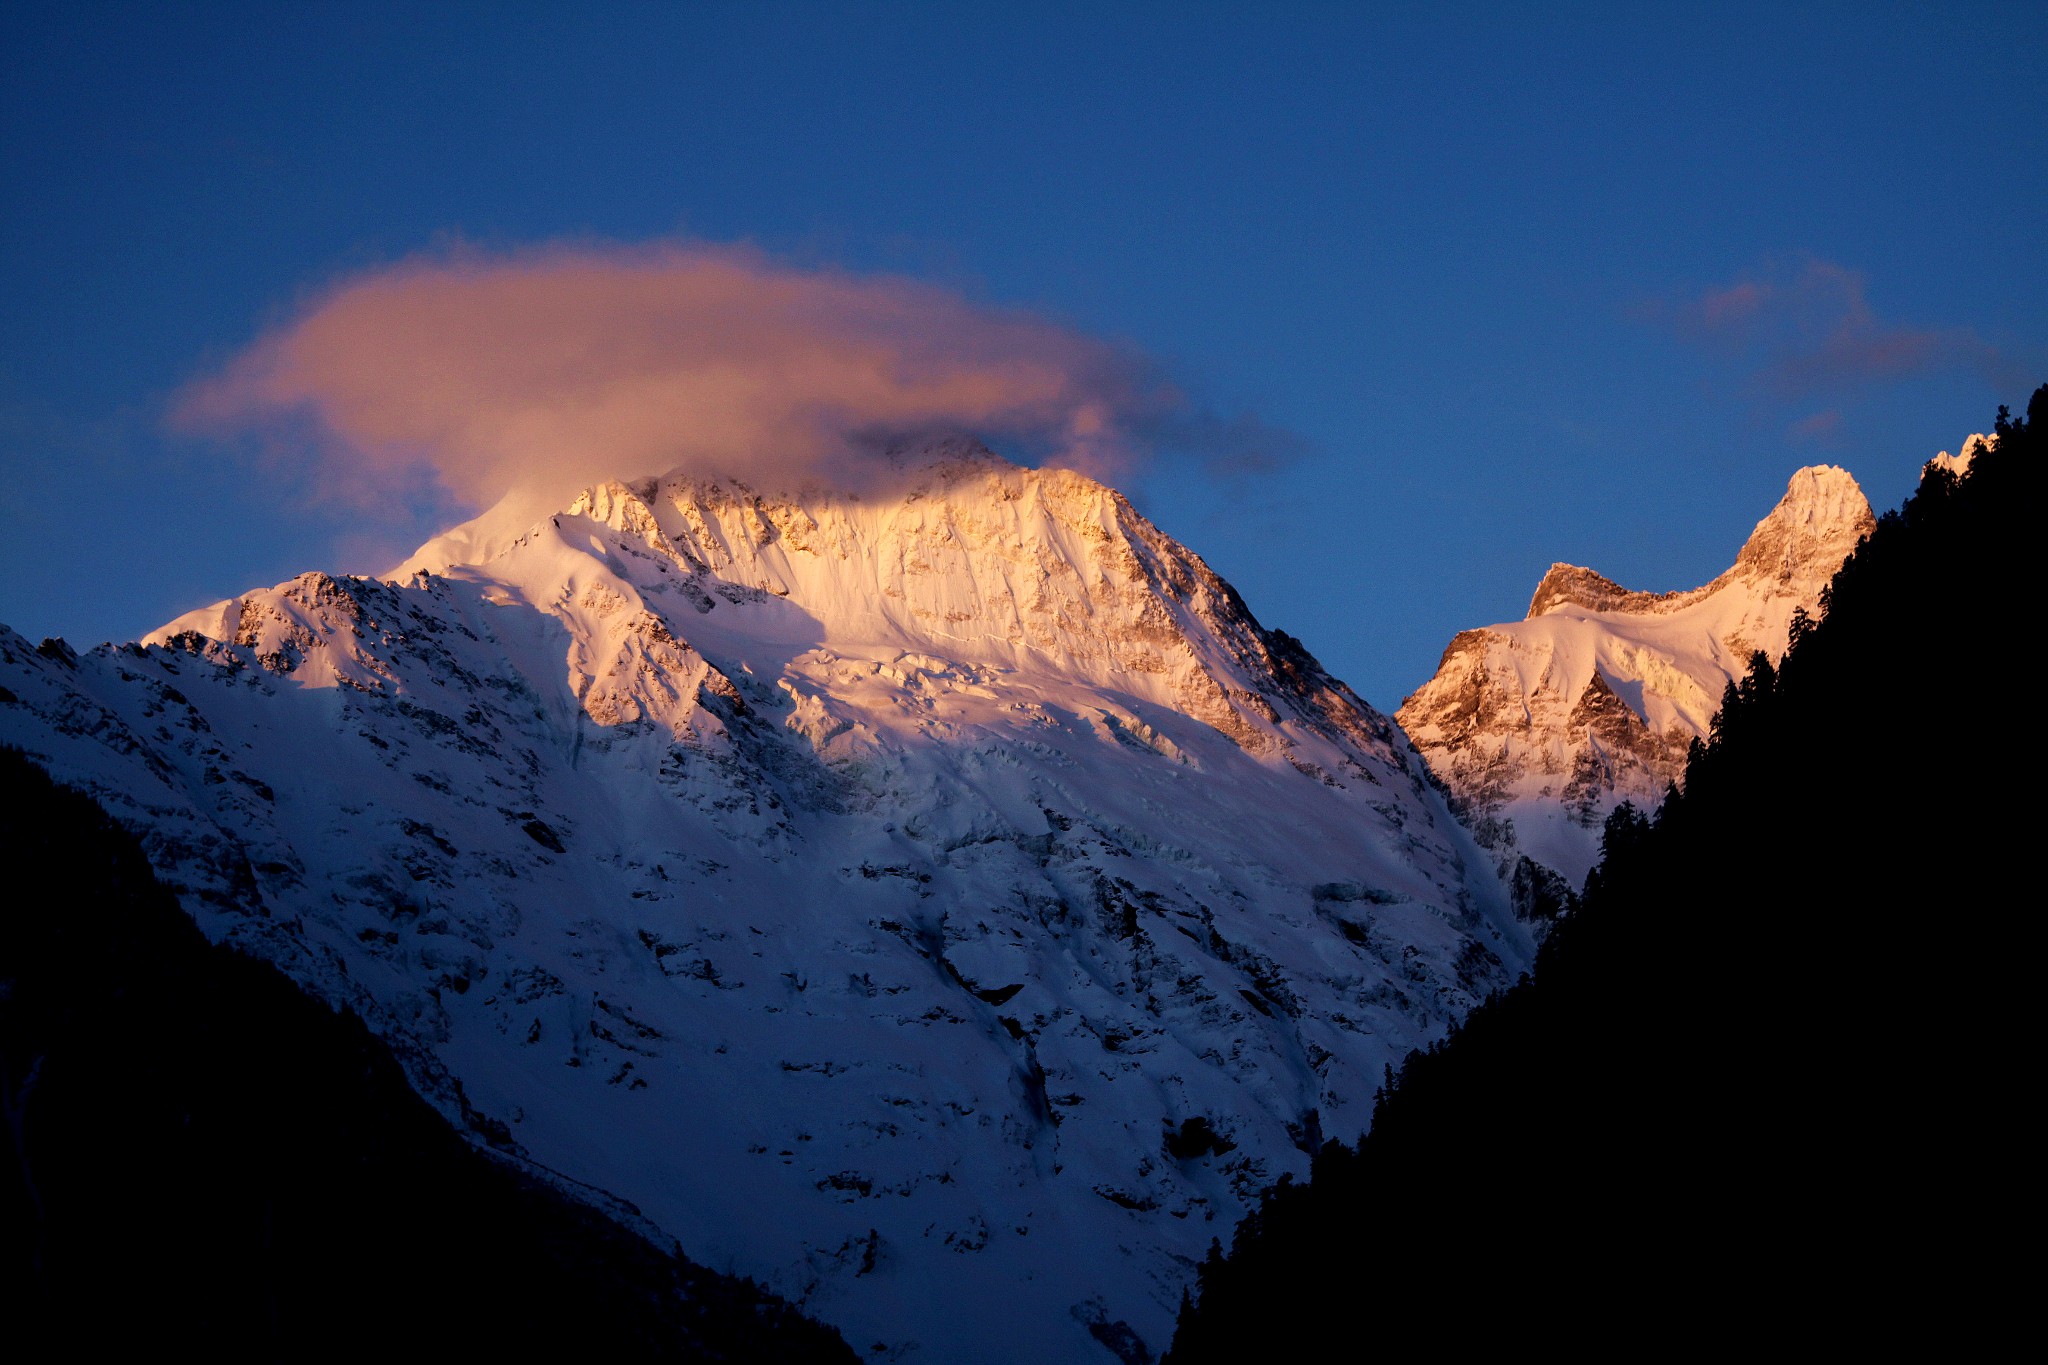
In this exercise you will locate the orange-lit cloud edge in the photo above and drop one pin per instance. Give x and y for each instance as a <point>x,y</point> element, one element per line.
<point>530,373</point>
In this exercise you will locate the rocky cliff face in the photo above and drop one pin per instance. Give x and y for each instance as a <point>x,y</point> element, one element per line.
<point>949,906</point>
<point>1539,727</point>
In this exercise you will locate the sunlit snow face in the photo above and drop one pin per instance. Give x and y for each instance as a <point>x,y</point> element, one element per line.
<point>876,893</point>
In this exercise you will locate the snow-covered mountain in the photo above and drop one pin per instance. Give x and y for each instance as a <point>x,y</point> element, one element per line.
<point>1540,727</point>
<point>1958,464</point>
<point>948,906</point>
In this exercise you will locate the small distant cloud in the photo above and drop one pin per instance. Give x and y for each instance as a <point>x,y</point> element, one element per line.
<point>1822,428</point>
<point>1721,310</point>
<point>535,371</point>
<point>1811,330</point>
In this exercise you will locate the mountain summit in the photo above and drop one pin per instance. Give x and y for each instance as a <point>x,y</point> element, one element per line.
<point>949,905</point>
<point>1539,727</point>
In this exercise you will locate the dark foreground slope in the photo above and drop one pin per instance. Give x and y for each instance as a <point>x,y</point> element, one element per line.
<point>196,1153</point>
<point>1769,1082</point>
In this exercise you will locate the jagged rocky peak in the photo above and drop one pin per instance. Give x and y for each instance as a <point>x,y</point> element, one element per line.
<point>958,553</point>
<point>874,891</point>
<point>1537,728</point>
<point>1809,533</point>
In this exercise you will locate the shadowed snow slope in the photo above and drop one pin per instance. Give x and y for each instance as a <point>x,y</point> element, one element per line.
<point>949,907</point>
<point>1541,726</point>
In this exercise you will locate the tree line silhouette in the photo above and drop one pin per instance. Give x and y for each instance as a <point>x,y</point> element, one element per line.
<point>1768,1081</point>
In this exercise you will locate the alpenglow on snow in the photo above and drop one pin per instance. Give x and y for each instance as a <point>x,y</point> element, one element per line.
<point>949,907</point>
<point>1540,727</point>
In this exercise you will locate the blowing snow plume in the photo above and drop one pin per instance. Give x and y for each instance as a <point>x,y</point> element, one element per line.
<point>524,376</point>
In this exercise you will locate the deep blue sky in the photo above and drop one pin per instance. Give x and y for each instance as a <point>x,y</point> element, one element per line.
<point>1471,257</point>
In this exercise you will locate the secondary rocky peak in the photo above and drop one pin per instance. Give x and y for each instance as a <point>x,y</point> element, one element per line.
<point>1539,727</point>
<point>1959,464</point>
<point>1804,538</point>
<point>1570,585</point>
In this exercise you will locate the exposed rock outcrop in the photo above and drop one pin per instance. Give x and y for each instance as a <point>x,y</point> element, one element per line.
<point>1537,728</point>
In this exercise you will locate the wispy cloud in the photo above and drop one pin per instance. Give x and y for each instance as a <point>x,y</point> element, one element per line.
<point>1822,428</point>
<point>1809,331</point>
<point>539,370</point>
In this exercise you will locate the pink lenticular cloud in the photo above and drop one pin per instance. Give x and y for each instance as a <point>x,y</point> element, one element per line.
<point>543,370</point>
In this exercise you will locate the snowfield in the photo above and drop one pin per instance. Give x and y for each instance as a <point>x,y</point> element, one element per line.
<point>948,906</point>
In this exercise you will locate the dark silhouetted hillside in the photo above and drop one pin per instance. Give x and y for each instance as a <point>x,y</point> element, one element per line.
<point>1768,1084</point>
<point>199,1156</point>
